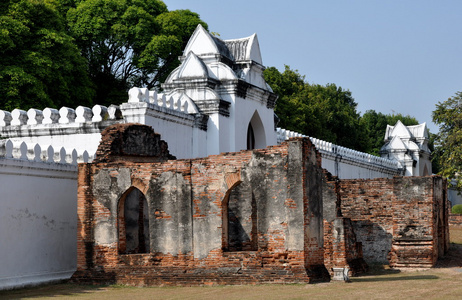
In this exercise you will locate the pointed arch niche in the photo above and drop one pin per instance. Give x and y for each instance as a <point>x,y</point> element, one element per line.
<point>256,138</point>
<point>133,222</point>
<point>240,219</point>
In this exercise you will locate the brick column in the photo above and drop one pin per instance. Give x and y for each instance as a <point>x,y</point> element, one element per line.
<point>84,218</point>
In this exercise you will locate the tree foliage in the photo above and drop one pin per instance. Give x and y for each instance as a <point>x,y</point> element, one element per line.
<point>448,141</point>
<point>376,123</point>
<point>39,63</point>
<point>328,112</point>
<point>83,52</point>
<point>325,112</point>
<point>129,42</point>
<point>457,209</point>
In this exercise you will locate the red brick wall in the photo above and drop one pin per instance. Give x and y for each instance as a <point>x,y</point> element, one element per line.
<point>341,249</point>
<point>400,221</point>
<point>185,202</point>
<point>455,220</point>
<point>313,210</point>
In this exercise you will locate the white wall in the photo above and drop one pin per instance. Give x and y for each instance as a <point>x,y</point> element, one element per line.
<point>348,163</point>
<point>453,195</point>
<point>244,110</point>
<point>38,217</point>
<point>78,129</point>
<point>351,168</point>
<point>80,141</point>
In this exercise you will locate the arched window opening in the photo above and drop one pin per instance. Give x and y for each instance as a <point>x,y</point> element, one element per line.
<point>250,138</point>
<point>240,219</point>
<point>133,223</point>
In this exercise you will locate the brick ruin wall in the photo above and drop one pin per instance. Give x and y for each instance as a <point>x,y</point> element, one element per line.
<point>341,248</point>
<point>455,220</point>
<point>401,221</point>
<point>236,218</point>
<point>262,216</point>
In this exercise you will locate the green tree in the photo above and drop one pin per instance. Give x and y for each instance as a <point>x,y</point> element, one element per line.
<point>448,140</point>
<point>160,57</point>
<point>376,123</point>
<point>129,42</point>
<point>39,63</point>
<point>457,209</point>
<point>324,112</point>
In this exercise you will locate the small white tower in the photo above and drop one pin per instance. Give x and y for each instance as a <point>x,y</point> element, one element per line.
<point>409,146</point>
<point>224,79</point>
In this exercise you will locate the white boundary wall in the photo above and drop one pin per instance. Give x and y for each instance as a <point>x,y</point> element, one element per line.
<point>347,163</point>
<point>38,216</point>
<point>453,195</point>
<point>175,118</point>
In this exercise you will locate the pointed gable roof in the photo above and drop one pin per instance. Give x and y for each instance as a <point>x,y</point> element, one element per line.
<point>245,49</point>
<point>202,42</point>
<point>193,67</point>
<point>395,143</point>
<point>399,130</point>
<point>419,131</point>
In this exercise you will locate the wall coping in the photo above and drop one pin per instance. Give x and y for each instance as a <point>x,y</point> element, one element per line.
<point>347,155</point>
<point>16,150</point>
<point>64,115</point>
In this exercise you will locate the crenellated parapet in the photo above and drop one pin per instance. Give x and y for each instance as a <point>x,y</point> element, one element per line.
<point>175,106</point>
<point>329,149</point>
<point>176,102</point>
<point>41,153</point>
<point>173,114</point>
<point>67,128</point>
<point>345,162</point>
<point>284,134</point>
<point>64,115</point>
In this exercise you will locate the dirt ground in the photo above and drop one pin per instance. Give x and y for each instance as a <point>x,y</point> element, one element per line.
<point>442,282</point>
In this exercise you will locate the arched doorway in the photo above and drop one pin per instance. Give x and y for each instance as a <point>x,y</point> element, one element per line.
<point>256,138</point>
<point>240,219</point>
<point>133,222</point>
<point>250,137</point>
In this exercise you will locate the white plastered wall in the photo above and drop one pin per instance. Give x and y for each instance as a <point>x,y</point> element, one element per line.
<point>38,217</point>
<point>81,141</point>
<point>245,109</point>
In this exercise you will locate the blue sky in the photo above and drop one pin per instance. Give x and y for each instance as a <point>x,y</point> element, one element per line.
<point>394,56</point>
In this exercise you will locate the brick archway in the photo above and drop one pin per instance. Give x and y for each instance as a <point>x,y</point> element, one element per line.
<point>232,180</point>
<point>133,222</point>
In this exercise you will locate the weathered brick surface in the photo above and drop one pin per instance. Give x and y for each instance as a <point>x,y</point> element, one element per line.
<point>131,142</point>
<point>276,199</point>
<point>260,216</point>
<point>341,249</point>
<point>400,221</point>
<point>455,220</point>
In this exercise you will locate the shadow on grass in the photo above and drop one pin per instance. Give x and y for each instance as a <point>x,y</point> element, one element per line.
<point>379,269</point>
<point>452,258</point>
<point>51,290</point>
